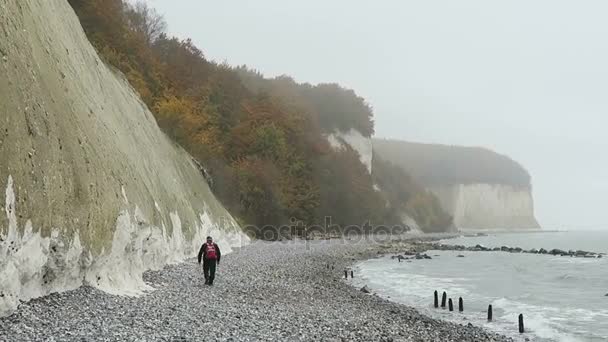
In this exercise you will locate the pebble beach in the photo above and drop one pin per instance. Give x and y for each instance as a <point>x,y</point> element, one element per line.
<point>267,291</point>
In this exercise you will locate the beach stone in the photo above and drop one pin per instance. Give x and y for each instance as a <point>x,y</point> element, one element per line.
<point>479,247</point>
<point>267,291</point>
<point>365,289</point>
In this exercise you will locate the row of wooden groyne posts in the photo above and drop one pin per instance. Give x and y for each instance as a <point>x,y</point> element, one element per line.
<point>352,273</point>
<point>444,297</point>
<point>445,300</point>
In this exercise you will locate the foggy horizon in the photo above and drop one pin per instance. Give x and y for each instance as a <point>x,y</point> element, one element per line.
<point>471,73</point>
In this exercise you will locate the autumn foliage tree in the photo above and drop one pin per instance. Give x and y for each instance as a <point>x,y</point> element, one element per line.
<point>262,140</point>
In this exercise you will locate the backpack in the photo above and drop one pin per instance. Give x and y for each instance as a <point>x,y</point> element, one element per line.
<point>211,253</point>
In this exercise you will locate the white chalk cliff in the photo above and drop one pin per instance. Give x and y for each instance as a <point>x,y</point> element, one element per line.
<point>479,188</point>
<point>488,206</point>
<point>353,138</point>
<point>94,192</point>
<point>364,147</point>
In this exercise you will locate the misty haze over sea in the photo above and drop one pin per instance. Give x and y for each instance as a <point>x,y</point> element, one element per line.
<point>527,79</point>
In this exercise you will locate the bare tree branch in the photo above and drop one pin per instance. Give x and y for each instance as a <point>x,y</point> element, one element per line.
<point>146,21</point>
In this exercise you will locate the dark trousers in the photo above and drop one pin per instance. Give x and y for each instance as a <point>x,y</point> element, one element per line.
<point>209,270</point>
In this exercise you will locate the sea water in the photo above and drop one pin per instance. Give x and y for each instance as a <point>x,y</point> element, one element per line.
<point>561,298</point>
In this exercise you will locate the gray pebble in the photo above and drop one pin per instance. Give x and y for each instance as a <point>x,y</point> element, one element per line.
<point>263,292</point>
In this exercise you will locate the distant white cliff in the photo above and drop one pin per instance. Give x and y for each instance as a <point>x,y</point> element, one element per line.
<point>488,206</point>
<point>479,188</point>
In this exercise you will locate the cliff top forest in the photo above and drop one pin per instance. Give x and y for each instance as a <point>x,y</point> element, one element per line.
<point>433,164</point>
<point>262,140</point>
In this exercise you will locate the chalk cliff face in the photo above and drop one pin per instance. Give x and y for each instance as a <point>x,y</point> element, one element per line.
<point>357,142</point>
<point>488,206</point>
<point>93,191</point>
<point>410,204</point>
<point>479,188</point>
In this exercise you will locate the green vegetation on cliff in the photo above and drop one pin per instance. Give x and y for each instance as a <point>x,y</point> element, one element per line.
<point>334,107</point>
<point>408,197</point>
<point>262,140</point>
<point>435,165</point>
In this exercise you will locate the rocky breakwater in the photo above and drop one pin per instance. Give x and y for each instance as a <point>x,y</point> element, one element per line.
<point>418,247</point>
<point>411,255</point>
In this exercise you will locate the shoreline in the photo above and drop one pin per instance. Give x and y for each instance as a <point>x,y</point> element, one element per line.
<point>386,279</point>
<point>264,291</point>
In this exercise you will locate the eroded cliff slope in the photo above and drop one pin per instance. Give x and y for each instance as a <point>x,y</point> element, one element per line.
<point>94,192</point>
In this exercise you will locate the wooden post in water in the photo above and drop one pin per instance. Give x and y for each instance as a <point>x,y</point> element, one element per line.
<point>490,313</point>
<point>345,274</point>
<point>444,298</point>
<point>352,274</point>
<point>450,305</point>
<point>521,323</point>
<point>436,302</point>
<point>460,305</point>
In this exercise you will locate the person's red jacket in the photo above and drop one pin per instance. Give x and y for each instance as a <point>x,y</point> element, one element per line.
<point>203,251</point>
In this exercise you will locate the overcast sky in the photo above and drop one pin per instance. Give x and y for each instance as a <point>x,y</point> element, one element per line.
<point>525,78</point>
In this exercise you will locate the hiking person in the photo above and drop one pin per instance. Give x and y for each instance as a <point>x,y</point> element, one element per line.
<point>210,254</point>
